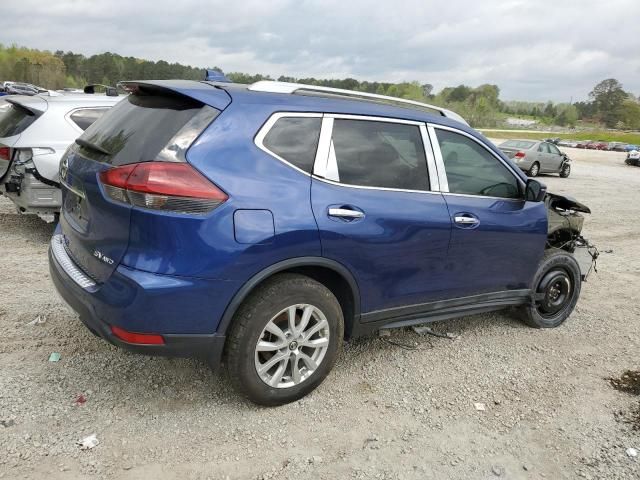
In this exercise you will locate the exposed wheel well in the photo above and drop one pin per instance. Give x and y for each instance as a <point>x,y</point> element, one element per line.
<point>331,274</point>
<point>562,238</point>
<point>338,285</point>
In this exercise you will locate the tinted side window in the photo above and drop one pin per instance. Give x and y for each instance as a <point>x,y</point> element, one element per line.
<point>553,149</point>
<point>472,170</point>
<point>295,139</point>
<point>14,119</point>
<point>380,154</point>
<point>85,117</point>
<point>543,148</point>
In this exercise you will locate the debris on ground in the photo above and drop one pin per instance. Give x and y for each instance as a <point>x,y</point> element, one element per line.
<point>39,320</point>
<point>497,470</point>
<point>88,443</point>
<point>80,400</point>
<point>481,407</point>
<point>7,423</point>
<point>632,452</point>
<point>54,357</point>
<point>628,382</point>
<point>369,441</point>
<point>424,330</point>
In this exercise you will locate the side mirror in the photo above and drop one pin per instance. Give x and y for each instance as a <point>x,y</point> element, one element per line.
<point>534,191</point>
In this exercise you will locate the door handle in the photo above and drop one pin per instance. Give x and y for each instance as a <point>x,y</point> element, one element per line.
<point>345,213</point>
<point>466,220</point>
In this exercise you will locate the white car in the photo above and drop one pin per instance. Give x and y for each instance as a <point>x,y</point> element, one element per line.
<point>35,131</point>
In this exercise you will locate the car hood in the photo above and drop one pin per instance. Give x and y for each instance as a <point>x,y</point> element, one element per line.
<point>565,203</point>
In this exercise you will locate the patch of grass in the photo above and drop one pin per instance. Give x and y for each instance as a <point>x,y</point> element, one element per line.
<point>604,135</point>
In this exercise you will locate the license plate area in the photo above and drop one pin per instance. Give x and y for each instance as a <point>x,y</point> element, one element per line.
<point>75,203</point>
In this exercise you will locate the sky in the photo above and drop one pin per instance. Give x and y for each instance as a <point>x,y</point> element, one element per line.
<point>533,50</point>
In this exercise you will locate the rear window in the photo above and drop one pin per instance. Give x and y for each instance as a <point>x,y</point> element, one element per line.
<point>14,119</point>
<point>295,139</point>
<point>139,127</point>
<point>85,117</point>
<point>518,144</point>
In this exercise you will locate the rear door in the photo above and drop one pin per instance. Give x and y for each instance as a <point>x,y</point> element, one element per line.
<point>555,158</point>
<point>497,238</point>
<point>375,200</point>
<point>143,127</point>
<point>544,157</point>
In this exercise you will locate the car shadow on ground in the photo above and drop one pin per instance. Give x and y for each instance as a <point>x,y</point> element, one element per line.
<point>27,226</point>
<point>180,384</point>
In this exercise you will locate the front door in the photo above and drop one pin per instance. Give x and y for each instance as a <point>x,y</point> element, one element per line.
<point>497,238</point>
<point>377,213</point>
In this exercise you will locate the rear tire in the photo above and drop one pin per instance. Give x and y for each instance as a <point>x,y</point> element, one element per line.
<point>534,170</point>
<point>273,361</point>
<point>565,171</point>
<point>557,285</point>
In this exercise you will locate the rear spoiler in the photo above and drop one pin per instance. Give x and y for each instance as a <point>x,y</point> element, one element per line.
<point>109,91</point>
<point>203,92</point>
<point>31,105</point>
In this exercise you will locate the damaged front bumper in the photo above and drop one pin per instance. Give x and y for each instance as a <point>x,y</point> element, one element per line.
<point>565,224</point>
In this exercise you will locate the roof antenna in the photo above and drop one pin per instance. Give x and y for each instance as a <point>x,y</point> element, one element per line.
<point>215,76</point>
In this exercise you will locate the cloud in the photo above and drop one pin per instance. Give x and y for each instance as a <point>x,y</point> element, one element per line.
<point>535,50</point>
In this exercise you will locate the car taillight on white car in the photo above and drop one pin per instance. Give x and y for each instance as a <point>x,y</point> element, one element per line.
<point>5,153</point>
<point>165,186</point>
<point>519,156</point>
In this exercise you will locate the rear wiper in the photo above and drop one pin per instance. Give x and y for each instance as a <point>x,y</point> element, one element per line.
<point>92,146</point>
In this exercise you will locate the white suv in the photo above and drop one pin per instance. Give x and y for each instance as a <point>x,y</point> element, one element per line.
<point>35,131</point>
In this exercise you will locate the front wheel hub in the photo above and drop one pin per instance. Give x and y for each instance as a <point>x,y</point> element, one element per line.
<point>554,292</point>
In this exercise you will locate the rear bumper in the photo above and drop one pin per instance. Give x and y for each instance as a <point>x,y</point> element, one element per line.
<point>170,306</point>
<point>31,195</point>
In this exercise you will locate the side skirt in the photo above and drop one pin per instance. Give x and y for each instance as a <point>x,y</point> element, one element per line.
<point>440,310</point>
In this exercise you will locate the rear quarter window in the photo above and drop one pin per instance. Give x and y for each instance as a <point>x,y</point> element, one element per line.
<point>14,119</point>
<point>85,117</point>
<point>295,139</point>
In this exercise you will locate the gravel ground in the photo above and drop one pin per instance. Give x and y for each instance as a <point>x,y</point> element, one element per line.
<point>384,412</point>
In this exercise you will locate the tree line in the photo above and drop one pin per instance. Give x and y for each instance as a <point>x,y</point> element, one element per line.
<point>608,102</point>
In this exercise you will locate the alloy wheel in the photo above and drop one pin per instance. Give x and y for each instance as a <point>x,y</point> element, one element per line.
<point>292,346</point>
<point>534,170</point>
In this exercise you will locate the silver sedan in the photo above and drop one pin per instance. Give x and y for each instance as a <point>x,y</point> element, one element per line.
<point>534,157</point>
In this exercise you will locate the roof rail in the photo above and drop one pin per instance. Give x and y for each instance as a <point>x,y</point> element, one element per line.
<point>271,86</point>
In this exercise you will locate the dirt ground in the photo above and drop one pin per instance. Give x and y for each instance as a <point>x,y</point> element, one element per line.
<point>383,413</point>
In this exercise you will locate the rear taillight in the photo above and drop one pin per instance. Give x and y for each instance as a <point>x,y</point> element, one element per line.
<point>172,187</point>
<point>5,153</point>
<point>519,155</point>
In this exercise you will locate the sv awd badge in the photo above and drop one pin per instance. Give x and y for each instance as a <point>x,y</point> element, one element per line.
<point>102,257</point>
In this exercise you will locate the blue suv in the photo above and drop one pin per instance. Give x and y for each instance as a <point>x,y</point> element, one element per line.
<point>263,225</point>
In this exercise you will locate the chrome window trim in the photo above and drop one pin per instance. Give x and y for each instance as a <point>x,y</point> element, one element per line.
<point>364,187</point>
<point>449,194</point>
<point>328,171</point>
<point>440,162</point>
<point>268,125</point>
<point>437,153</point>
<point>324,145</point>
<point>370,118</point>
